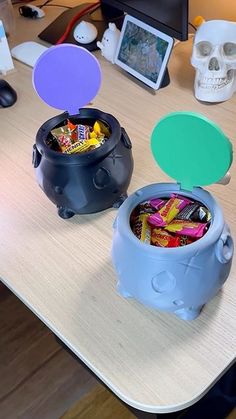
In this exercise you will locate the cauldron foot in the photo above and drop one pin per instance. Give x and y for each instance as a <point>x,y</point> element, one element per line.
<point>189,313</point>
<point>65,213</point>
<point>120,201</point>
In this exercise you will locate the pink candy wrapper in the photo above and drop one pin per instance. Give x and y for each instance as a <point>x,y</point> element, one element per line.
<point>187,228</point>
<point>169,211</point>
<point>157,203</point>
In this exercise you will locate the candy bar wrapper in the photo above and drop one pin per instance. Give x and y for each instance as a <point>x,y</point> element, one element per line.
<point>195,212</point>
<point>162,238</point>
<point>157,203</point>
<point>104,129</point>
<point>201,214</point>
<point>169,211</point>
<point>82,146</point>
<point>96,131</point>
<point>60,130</point>
<point>64,136</point>
<point>145,208</point>
<point>78,147</point>
<point>187,212</point>
<point>141,228</point>
<point>64,141</point>
<point>100,137</point>
<point>186,227</point>
<point>134,214</point>
<point>184,240</point>
<point>83,132</point>
<point>94,143</point>
<point>72,127</point>
<point>101,128</point>
<point>97,128</point>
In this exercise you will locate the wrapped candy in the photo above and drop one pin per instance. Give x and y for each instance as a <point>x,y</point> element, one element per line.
<point>78,138</point>
<point>169,211</point>
<point>186,227</point>
<point>141,228</point>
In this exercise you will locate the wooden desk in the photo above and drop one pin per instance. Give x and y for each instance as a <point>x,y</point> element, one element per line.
<point>62,270</point>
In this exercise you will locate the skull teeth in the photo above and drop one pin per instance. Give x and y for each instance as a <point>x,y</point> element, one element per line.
<point>216,83</point>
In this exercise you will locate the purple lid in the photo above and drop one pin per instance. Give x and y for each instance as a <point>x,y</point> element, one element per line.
<point>67,77</point>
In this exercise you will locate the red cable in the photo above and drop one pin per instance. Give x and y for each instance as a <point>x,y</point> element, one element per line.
<point>75,18</point>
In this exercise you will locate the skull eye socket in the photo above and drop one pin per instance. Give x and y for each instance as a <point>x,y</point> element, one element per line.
<point>229,49</point>
<point>203,49</point>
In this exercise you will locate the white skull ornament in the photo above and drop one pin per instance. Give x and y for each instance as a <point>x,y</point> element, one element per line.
<point>214,57</point>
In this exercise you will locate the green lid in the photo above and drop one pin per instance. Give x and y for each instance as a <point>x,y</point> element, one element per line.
<point>191,149</point>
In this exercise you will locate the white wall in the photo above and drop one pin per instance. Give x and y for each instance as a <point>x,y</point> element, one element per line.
<point>213,9</point>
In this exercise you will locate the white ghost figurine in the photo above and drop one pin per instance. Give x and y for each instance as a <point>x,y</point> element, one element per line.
<point>85,32</point>
<point>109,42</point>
<point>214,58</point>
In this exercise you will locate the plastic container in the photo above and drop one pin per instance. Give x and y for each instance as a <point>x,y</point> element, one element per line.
<point>193,150</point>
<point>78,183</point>
<point>7,16</point>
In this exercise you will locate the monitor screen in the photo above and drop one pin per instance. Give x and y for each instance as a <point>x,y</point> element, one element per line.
<point>143,51</point>
<point>168,16</point>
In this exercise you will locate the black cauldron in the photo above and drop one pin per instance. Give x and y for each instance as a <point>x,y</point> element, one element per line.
<point>89,182</point>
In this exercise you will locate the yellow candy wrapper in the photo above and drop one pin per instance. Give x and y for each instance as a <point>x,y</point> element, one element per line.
<point>142,229</point>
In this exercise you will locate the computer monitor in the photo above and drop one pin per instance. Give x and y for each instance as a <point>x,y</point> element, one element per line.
<point>168,16</point>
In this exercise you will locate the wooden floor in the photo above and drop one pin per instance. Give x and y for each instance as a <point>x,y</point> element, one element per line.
<point>41,380</point>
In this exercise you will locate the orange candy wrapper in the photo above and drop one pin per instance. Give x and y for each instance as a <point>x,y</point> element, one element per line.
<point>162,238</point>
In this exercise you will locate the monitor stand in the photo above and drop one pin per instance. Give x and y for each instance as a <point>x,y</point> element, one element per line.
<point>99,17</point>
<point>166,79</point>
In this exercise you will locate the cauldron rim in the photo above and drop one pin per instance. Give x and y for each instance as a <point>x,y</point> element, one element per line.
<point>83,159</point>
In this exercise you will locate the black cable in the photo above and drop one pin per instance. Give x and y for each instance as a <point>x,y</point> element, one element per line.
<point>194,27</point>
<point>56,5</point>
<point>44,4</point>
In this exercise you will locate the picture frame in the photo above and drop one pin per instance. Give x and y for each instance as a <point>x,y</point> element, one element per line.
<point>143,51</point>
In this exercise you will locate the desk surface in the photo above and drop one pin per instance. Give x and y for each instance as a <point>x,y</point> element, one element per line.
<point>151,360</point>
